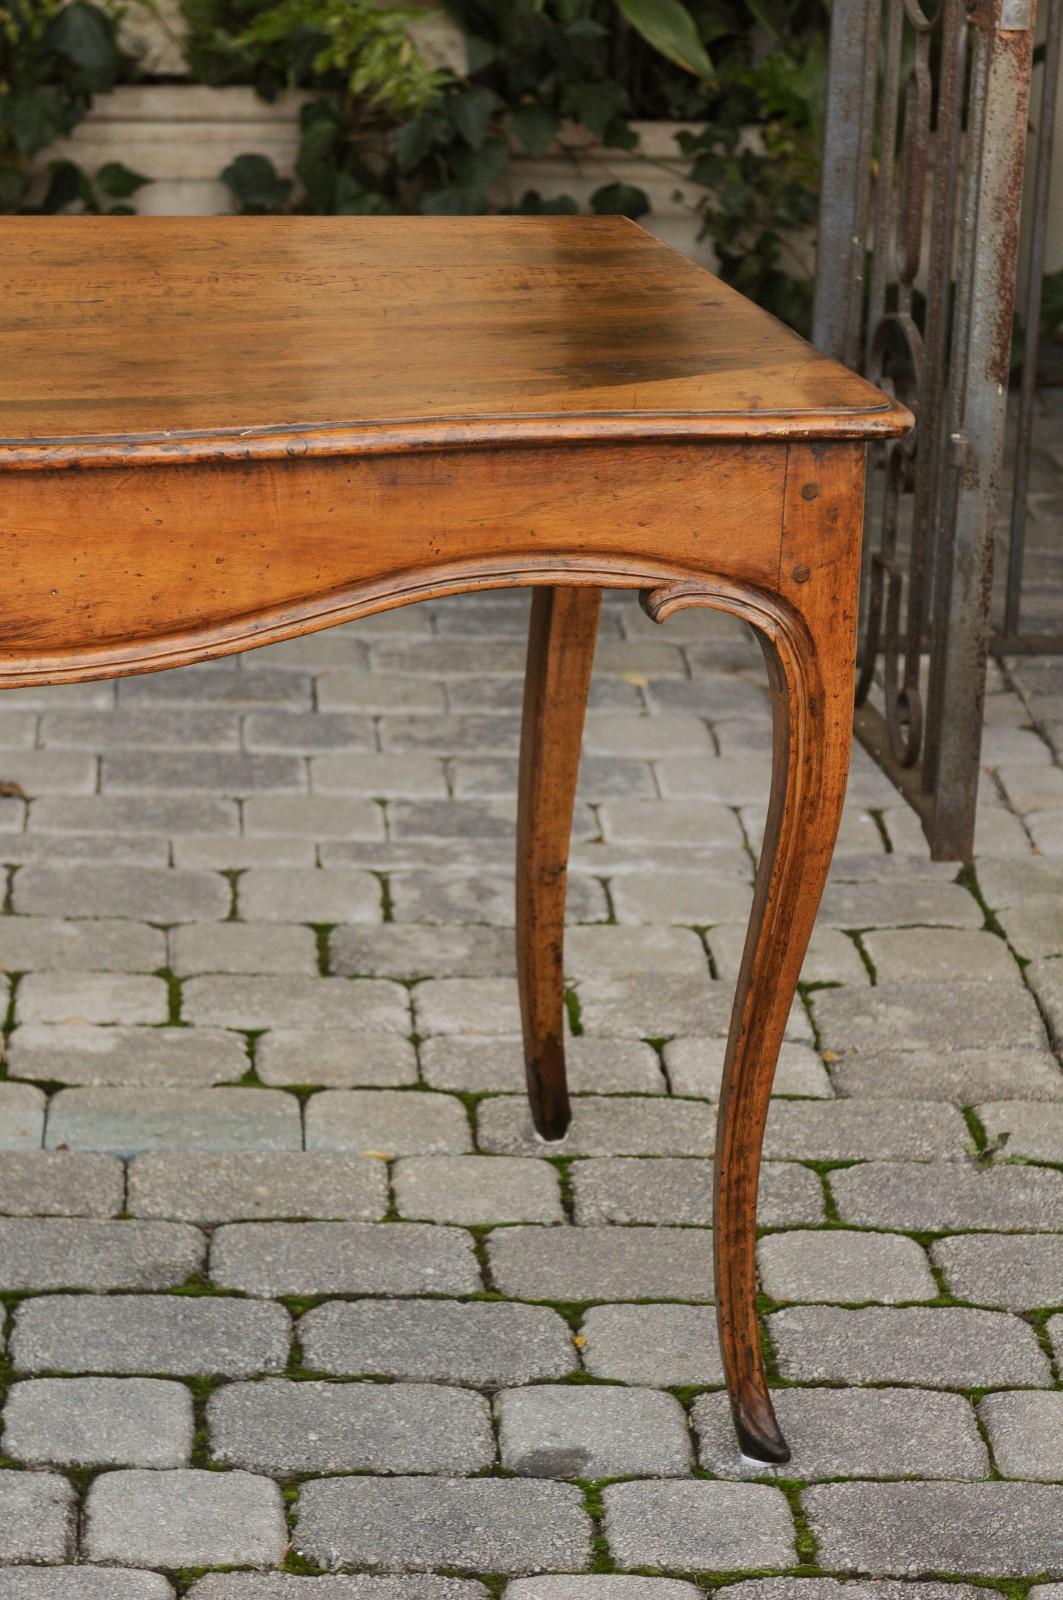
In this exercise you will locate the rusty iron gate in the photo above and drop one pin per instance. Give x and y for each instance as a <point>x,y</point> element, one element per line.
<point>925,145</point>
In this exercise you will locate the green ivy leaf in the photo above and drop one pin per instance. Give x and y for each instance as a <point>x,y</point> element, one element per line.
<point>621,200</point>
<point>535,126</point>
<point>256,184</point>
<point>595,104</point>
<point>471,115</point>
<point>119,181</point>
<point>64,187</point>
<point>84,35</point>
<point>354,200</point>
<point>532,204</point>
<point>32,117</point>
<point>668,26</point>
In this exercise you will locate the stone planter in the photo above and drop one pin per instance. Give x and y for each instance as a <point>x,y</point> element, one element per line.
<point>182,136</point>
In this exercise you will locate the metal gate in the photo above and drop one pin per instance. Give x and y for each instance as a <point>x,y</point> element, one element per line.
<point>926,134</point>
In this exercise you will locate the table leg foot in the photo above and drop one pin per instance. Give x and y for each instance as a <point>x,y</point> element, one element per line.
<point>564,626</point>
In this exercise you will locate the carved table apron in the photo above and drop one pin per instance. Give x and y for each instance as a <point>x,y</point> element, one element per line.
<point>217,433</point>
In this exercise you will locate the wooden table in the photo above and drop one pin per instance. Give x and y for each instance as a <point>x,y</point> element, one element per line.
<point>219,433</point>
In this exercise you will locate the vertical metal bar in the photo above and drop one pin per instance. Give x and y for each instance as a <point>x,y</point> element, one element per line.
<point>1031,304</point>
<point>843,209</point>
<point>965,566</point>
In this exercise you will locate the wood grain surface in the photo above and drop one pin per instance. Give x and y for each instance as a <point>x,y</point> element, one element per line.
<point>254,336</point>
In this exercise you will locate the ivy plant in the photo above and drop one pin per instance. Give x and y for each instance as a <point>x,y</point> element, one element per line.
<point>54,57</point>
<point>385,132</point>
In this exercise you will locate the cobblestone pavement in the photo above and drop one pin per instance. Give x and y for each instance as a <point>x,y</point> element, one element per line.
<point>290,1289</point>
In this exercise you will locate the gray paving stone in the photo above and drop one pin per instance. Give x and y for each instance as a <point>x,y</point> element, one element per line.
<point>272,819</point>
<point>287,730</point>
<point>226,772</point>
<point>292,894</point>
<point>294,1258</point>
<point>1020,1271</point>
<point>93,849</point>
<point>37,1517</point>
<point>467,1005</point>
<point>377,692</point>
<point>601,1125</point>
<point>82,1583</point>
<point>912,1195</point>
<point>69,1253</point>
<point>600,777</point>
<point>843,1265</point>
<point>600,1586</point>
<point>170,1334</point>
<point>651,1007</point>
<point>397,951</point>
<point>99,1422</point>
<point>695,1067</point>
<point>134,728</point>
<point>594,1066</point>
<point>963,1076</point>
<point>698,899</point>
<point>602,1263</point>
<point>386,776</point>
<point>590,951</point>
<point>286,1586</point>
<point>243,689</point>
<point>1033,1131</point>
<point>1047,1591</point>
<point>226,852</point>
<point>662,1345</point>
<point>481,1343</point>
<point>906,1529</point>
<point>51,771</point>
<point>105,816</point>
<point>53,944</point>
<point>422,894</point>
<point>282,1427</point>
<point>950,1347</point>
<point>468,819</point>
<point>22,1111</point>
<point>206,1188</point>
<point>592,1431</point>
<point>632,1189</point>
<point>618,733</point>
<point>300,1003</point>
<point>1026,1433</point>
<point>239,947</point>
<point>1035,930</point>
<point>130,1121</point>
<point>843,1130</point>
<point>93,997</point>
<point>477,1190</point>
<point>853,1433</point>
<point>938,954</point>
<point>185,1518</point>
<point>35,1183</point>
<point>925,1016</point>
<point>395,1122</point>
<point>832,957</point>
<point>698,1526</point>
<point>409,1524</point>
<point>466,734</point>
<point>850,1589</point>
<point>144,894</point>
<point>161,1057</point>
<point>699,821</point>
<point>898,904</point>
<point>336,1059</point>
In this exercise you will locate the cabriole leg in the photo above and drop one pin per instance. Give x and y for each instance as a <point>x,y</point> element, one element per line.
<point>564,626</point>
